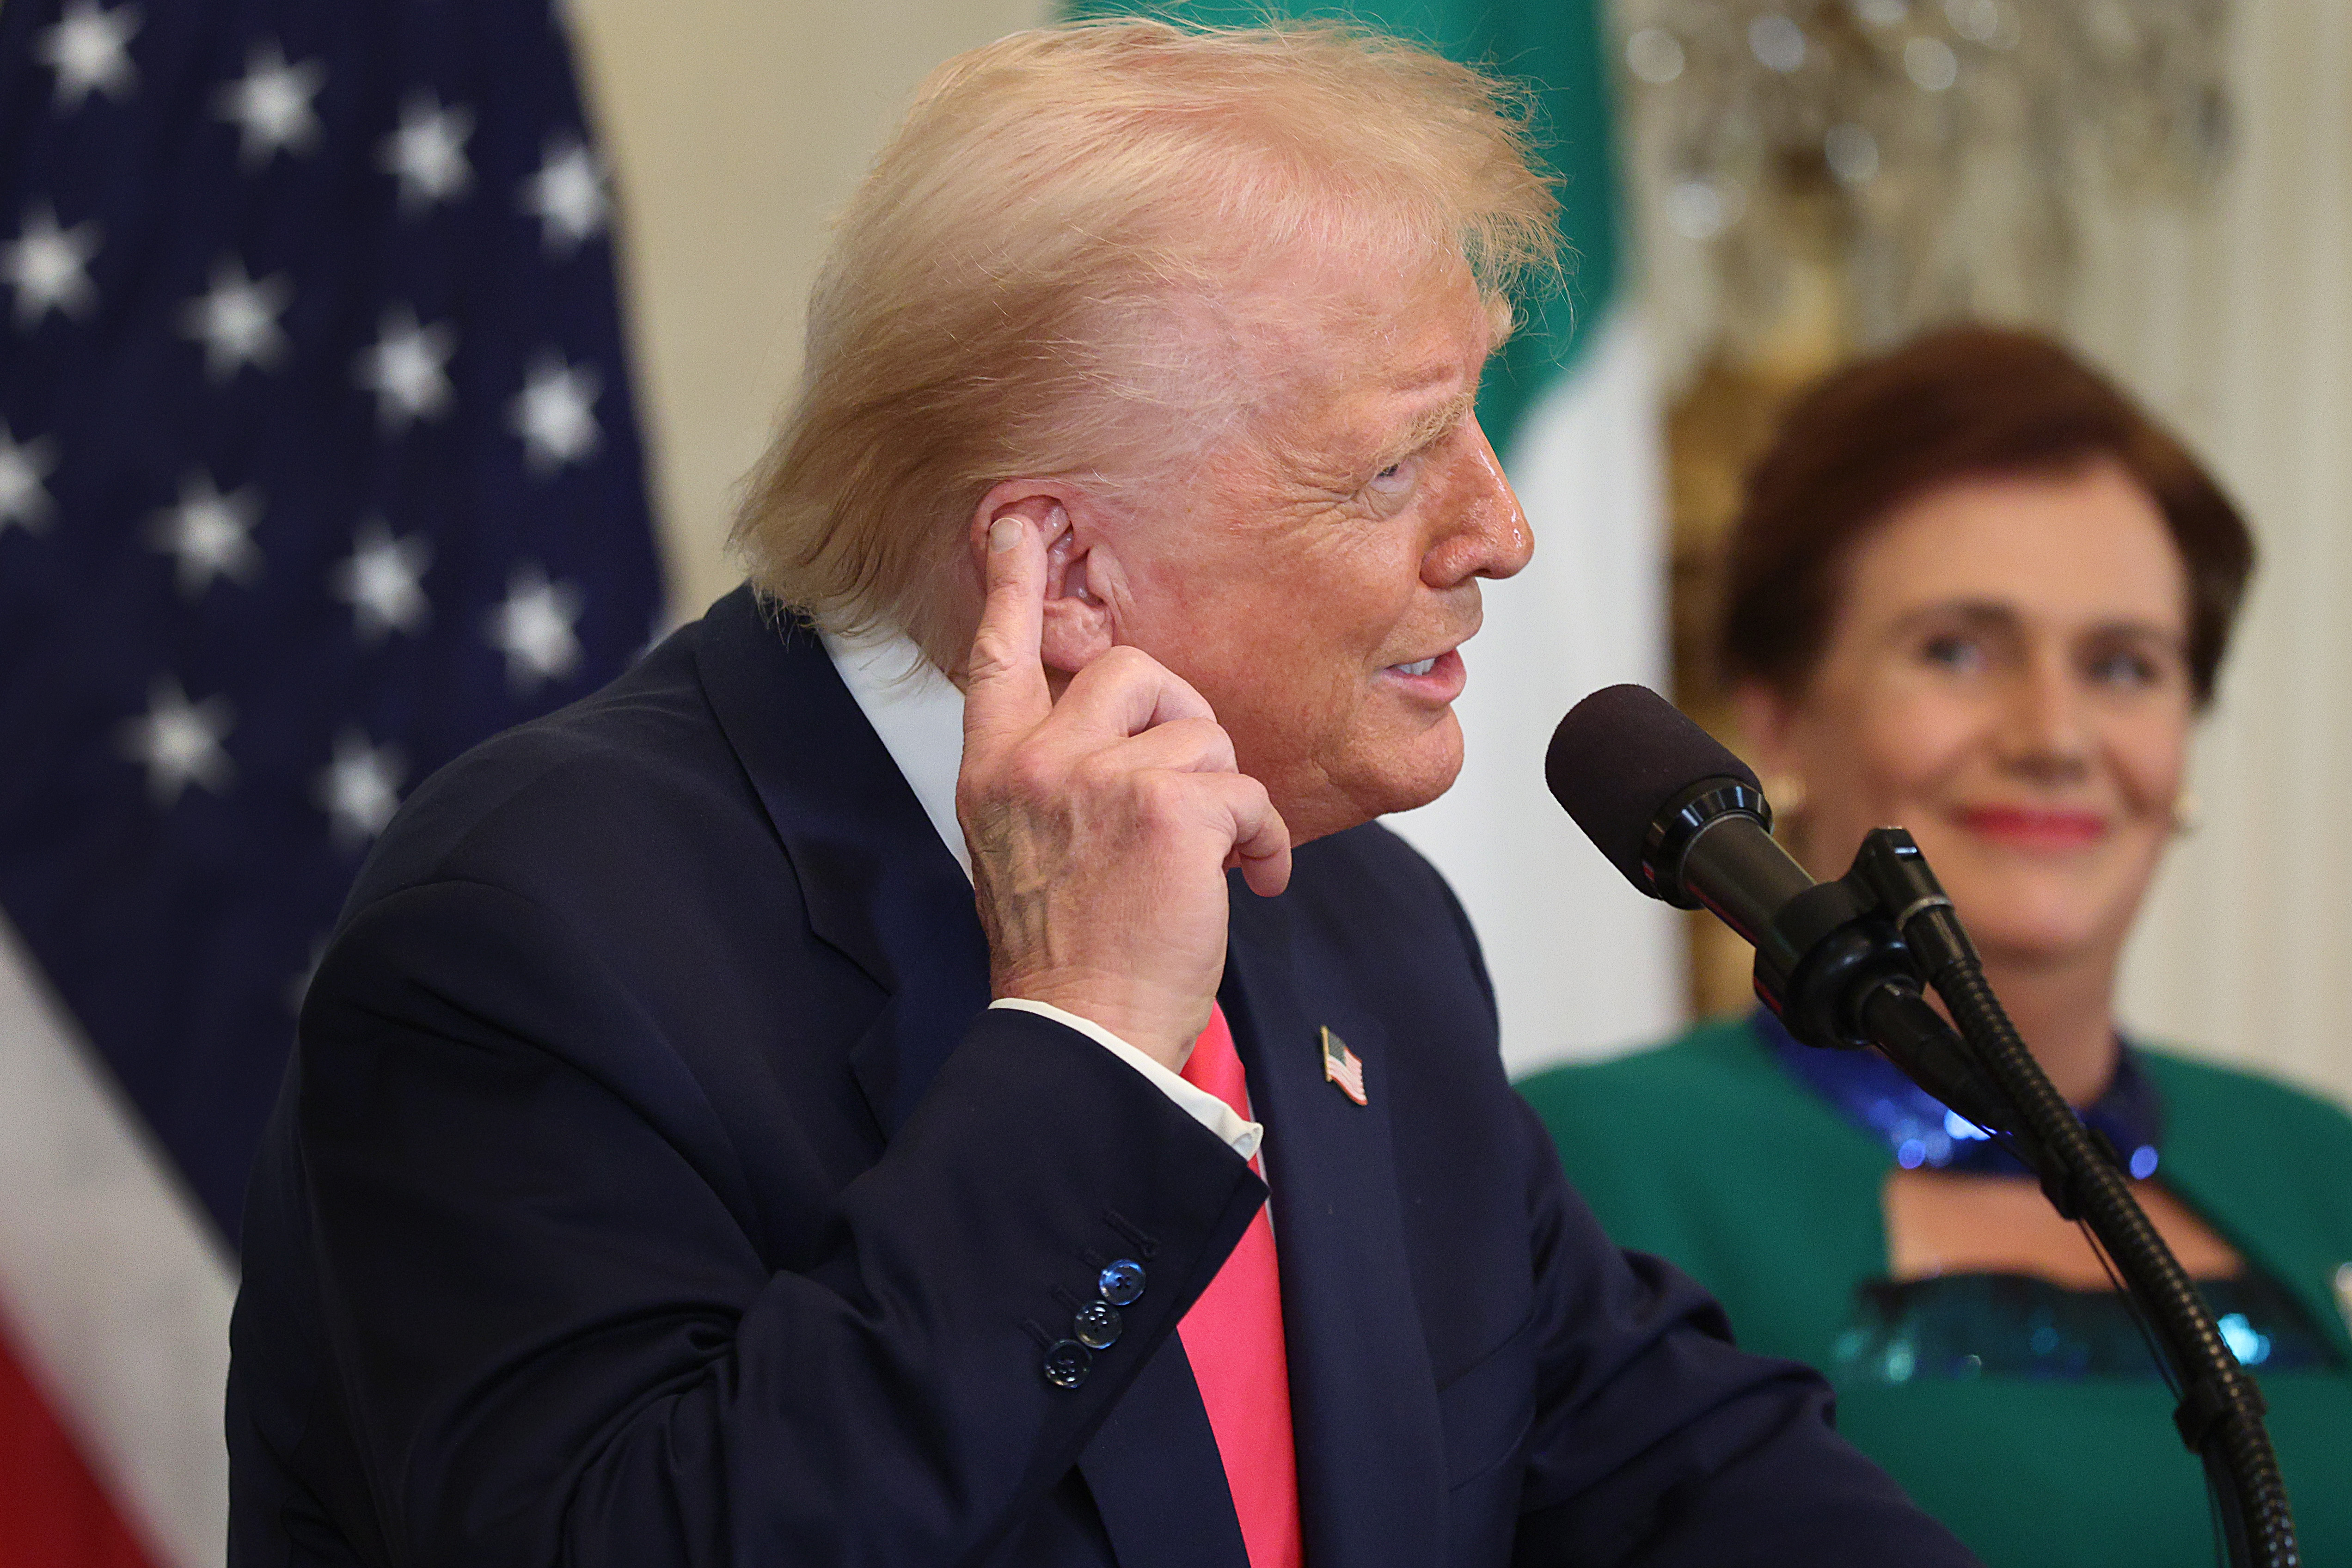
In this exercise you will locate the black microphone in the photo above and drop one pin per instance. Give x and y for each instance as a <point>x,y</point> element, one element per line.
<point>1670,807</point>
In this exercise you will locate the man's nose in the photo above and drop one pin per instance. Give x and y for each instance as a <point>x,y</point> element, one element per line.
<point>1483,533</point>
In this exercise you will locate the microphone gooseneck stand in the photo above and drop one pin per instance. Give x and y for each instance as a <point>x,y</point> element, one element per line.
<point>1842,963</point>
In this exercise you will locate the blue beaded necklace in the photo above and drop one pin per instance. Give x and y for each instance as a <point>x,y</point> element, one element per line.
<point>1922,1132</point>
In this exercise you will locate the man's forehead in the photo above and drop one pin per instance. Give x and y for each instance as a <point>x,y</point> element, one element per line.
<point>1400,344</point>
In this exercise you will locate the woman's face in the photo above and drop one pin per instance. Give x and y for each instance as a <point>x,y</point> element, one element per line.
<point>2007,678</point>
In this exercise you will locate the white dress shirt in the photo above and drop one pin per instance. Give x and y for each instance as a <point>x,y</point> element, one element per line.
<point>918,714</point>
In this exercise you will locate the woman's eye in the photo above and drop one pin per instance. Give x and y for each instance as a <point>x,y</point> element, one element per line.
<point>2125,669</point>
<point>1953,651</point>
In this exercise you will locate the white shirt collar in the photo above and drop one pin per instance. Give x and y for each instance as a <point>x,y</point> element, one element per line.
<point>918,714</point>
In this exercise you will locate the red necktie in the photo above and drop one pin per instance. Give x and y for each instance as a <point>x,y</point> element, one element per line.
<point>1233,1337</point>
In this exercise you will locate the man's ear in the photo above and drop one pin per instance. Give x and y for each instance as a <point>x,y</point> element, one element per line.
<point>1077,628</point>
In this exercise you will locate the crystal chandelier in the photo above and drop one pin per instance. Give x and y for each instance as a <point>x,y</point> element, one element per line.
<point>1906,160</point>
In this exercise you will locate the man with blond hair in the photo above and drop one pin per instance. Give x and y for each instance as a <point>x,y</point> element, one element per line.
<point>725,1133</point>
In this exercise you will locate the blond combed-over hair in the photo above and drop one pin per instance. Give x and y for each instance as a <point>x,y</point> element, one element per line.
<point>1040,278</point>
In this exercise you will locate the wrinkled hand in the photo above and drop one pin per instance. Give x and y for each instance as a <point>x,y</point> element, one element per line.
<point>1101,826</point>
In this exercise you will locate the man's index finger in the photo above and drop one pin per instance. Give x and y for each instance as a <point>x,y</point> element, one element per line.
<point>1004,681</point>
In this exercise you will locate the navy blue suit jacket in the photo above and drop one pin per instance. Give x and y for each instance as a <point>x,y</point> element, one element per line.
<point>652,1186</point>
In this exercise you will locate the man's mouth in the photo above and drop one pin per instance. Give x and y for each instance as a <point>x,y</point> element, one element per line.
<point>1437,679</point>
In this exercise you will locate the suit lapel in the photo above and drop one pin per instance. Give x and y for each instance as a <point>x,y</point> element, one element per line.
<point>880,888</point>
<point>1363,1398</point>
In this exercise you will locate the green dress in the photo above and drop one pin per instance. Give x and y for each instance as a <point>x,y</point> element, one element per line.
<point>1711,1153</point>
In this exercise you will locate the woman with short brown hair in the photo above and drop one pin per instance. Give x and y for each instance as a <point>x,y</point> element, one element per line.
<point>1975,591</point>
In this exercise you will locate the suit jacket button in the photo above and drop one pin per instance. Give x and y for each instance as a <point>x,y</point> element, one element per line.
<point>1122,1283</point>
<point>1098,1325</point>
<point>1068,1363</point>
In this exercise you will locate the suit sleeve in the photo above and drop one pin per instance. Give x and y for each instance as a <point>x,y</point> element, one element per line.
<point>556,1342</point>
<point>1659,1443</point>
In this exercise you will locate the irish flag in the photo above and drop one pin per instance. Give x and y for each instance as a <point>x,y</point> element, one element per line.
<point>1580,963</point>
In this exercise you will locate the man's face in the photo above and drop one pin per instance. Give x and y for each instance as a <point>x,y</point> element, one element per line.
<point>1314,578</point>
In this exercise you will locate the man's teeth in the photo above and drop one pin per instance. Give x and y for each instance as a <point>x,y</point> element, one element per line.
<point>1420,666</point>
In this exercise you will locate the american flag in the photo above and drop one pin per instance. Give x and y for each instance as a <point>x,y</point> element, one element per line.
<point>318,464</point>
<point>1343,1067</point>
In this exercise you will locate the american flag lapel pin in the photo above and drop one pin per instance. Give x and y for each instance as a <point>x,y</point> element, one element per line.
<point>1343,1067</point>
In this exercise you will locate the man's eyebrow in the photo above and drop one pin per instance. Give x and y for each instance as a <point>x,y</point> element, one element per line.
<point>1433,422</point>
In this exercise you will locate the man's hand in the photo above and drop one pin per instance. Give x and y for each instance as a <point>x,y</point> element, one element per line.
<point>1101,826</point>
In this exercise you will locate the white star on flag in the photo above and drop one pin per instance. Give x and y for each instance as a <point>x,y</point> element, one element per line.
<point>25,502</point>
<point>553,413</point>
<point>360,789</point>
<point>211,534</point>
<point>270,105</point>
<point>45,265</point>
<point>534,628</point>
<point>237,321</point>
<point>427,153</point>
<point>89,49</point>
<point>567,196</point>
<point>380,580</point>
<point>179,742</point>
<point>404,369</point>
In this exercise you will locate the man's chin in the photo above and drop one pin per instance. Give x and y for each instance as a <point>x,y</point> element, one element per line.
<point>1399,783</point>
<point>1429,768</point>
<point>1412,797</point>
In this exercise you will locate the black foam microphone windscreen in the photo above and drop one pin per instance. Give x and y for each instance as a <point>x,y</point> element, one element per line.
<point>1616,761</point>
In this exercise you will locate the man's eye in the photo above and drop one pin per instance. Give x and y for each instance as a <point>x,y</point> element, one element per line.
<point>1398,476</point>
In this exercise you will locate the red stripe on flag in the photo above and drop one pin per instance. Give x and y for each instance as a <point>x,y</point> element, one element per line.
<point>53,1512</point>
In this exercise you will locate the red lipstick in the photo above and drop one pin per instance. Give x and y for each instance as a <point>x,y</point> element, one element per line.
<point>2035,828</point>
